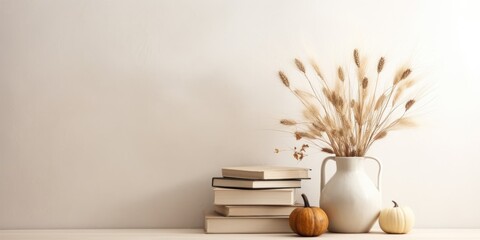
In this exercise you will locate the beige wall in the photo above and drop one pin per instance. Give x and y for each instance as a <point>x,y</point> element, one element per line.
<point>116,114</point>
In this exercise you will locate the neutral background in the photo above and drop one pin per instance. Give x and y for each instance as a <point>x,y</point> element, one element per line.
<point>116,114</point>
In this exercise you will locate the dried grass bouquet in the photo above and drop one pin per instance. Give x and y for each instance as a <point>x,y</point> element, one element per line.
<point>347,118</point>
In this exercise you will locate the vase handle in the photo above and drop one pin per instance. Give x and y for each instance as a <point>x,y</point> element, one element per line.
<point>379,171</point>
<point>324,163</point>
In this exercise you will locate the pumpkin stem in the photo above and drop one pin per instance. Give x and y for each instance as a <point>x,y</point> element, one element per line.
<point>305,200</point>
<point>395,204</point>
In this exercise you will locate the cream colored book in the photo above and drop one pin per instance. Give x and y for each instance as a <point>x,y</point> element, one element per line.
<point>215,223</point>
<point>244,211</point>
<point>266,172</point>
<point>228,196</point>
<point>255,184</point>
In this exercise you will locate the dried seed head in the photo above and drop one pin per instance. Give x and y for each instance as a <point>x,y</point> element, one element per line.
<point>357,114</point>
<point>314,131</point>
<point>403,123</point>
<point>288,122</point>
<point>339,102</point>
<point>304,148</point>
<point>341,76</point>
<point>313,109</point>
<point>352,141</point>
<point>311,112</point>
<point>308,135</point>
<point>329,95</point>
<point>406,122</point>
<point>365,83</point>
<point>381,62</point>
<point>300,135</point>
<point>304,95</point>
<point>380,101</point>
<point>401,75</point>
<point>317,69</point>
<point>345,122</point>
<point>334,132</point>
<point>284,79</point>
<point>409,83</point>
<point>333,99</point>
<point>380,135</point>
<point>299,65</point>
<point>327,150</point>
<point>405,73</point>
<point>409,104</point>
<point>319,126</point>
<point>398,94</point>
<point>325,92</point>
<point>356,58</point>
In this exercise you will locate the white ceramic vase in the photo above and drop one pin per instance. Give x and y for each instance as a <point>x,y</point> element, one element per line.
<point>350,199</point>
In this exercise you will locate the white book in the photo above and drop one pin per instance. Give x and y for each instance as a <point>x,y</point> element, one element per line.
<point>255,184</point>
<point>244,211</point>
<point>266,172</point>
<point>215,223</point>
<point>228,196</point>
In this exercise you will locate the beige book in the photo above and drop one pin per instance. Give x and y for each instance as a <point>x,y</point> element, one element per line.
<point>228,196</point>
<point>243,211</point>
<point>215,223</point>
<point>255,184</point>
<point>266,172</point>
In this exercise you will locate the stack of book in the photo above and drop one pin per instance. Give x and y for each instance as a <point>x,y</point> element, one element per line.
<point>254,199</point>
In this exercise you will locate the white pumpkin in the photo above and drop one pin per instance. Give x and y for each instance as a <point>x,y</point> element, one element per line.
<point>396,219</point>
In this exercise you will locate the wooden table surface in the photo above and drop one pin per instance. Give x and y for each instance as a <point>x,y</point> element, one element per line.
<point>152,234</point>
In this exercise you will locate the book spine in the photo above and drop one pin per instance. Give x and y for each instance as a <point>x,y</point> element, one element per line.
<point>254,197</point>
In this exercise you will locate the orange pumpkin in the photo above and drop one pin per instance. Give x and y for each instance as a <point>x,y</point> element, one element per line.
<point>308,221</point>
